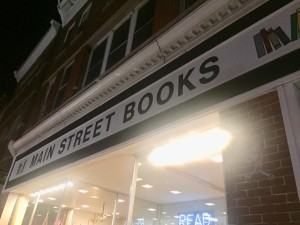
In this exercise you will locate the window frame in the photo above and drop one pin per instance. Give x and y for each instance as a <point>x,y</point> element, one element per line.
<point>83,19</point>
<point>62,84</point>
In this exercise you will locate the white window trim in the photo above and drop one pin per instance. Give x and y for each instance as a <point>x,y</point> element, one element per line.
<point>68,32</point>
<point>86,11</point>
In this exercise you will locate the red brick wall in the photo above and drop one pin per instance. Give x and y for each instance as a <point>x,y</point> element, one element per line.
<point>259,178</point>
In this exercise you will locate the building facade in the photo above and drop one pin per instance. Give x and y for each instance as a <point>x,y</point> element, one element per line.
<point>157,112</point>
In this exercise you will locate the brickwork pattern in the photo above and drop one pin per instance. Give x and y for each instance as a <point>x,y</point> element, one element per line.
<point>259,178</point>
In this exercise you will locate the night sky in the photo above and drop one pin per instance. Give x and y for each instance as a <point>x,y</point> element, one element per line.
<point>23,23</point>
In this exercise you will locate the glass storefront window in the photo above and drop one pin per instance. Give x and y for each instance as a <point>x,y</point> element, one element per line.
<point>127,187</point>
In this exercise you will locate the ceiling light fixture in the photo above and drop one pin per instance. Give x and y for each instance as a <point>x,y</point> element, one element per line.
<point>209,204</point>
<point>83,191</point>
<point>151,209</point>
<point>194,147</point>
<point>175,192</point>
<point>147,186</point>
<point>94,196</point>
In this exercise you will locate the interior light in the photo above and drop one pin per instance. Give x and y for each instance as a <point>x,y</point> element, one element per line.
<point>94,196</point>
<point>77,208</point>
<point>63,206</point>
<point>194,147</point>
<point>209,204</point>
<point>224,213</point>
<point>121,200</point>
<point>83,191</point>
<point>151,209</point>
<point>138,179</point>
<point>148,186</point>
<point>70,184</point>
<point>175,192</point>
<point>217,158</point>
<point>52,199</point>
<point>85,206</point>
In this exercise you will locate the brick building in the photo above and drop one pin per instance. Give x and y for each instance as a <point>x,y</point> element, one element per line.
<point>157,112</point>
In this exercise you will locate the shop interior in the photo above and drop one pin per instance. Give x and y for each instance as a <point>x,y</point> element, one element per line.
<point>126,184</point>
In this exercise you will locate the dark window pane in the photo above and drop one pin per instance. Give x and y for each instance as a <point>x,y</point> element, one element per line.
<point>96,62</point>
<point>98,54</point>
<point>144,24</point>
<point>66,76</point>
<point>118,45</point>
<point>93,73</point>
<point>188,3</point>
<point>59,98</point>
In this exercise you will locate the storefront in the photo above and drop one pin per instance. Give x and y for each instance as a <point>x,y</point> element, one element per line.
<point>207,101</point>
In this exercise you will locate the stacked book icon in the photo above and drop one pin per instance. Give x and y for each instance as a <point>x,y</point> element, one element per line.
<point>270,39</point>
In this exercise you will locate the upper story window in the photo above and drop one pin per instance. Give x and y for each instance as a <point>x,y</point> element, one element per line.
<point>96,62</point>
<point>124,38</point>
<point>83,19</point>
<point>144,24</point>
<point>45,99</point>
<point>118,45</point>
<point>69,35</point>
<point>63,85</point>
<point>187,3</point>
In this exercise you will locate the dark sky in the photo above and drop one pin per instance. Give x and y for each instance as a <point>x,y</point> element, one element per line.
<point>23,23</point>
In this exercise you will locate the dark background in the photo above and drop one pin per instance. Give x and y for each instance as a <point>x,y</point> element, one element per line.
<point>23,23</point>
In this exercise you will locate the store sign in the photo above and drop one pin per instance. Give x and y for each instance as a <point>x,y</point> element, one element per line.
<point>197,218</point>
<point>232,58</point>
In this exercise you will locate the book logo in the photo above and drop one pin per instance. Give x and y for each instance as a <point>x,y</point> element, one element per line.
<point>270,39</point>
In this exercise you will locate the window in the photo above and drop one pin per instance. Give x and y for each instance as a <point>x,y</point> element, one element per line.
<point>63,86</point>
<point>144,24</point>
<point>43,105</point>
<point>188,194</point>
<point>118,45</point>
<point>83,19</point>
<point>69,35</point>
<point>132,32</point>
<point>96,62</point>
<point>187,3</point>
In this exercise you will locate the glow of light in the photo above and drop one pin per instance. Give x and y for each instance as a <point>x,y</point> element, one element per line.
<point>138,179</point>
<point>83,191</point>
<point>63,206</point>
<point>121,200</point>
<point>175,192</point>
<point>94,197</point>
<point>52,199</point>
<point>209,204</point>
<point>70,184</point>
<point>194,147</point>
<point>85,206</point>
<point>52,189</point>
<point>147,186</point>
<point>217,158</point>
<point>151,209</point>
